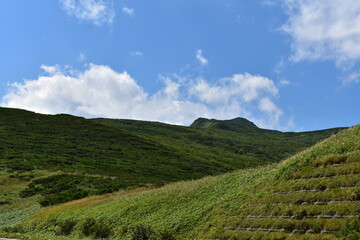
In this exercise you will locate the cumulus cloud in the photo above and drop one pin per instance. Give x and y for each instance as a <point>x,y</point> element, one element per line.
<point>96,11</point>
<point>99,91</point>
<point>128,11</point>
<point>324,29</point>
<point>199,56</point>
<point>245,87</point>
<point>268,106</point>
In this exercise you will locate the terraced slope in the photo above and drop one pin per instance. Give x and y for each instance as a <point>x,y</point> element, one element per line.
<point>313,195</point>
<point>319,202</point>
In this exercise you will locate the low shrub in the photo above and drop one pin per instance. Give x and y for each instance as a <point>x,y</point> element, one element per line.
<point>87,226</point>
<point>66,227</point>
<point>316,228</point>
<point>102,230</point>
<point>96,229</point>
<point>141,232</point>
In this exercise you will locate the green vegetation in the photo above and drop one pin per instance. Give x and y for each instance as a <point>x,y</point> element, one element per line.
<point>237,142</point>
<point>51,160</point>
<point>232,124</point>
<point>92,158</point>
<point>258,203</point>
<point>65,187</point>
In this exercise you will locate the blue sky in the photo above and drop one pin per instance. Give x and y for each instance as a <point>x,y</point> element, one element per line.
<point>284,64</point>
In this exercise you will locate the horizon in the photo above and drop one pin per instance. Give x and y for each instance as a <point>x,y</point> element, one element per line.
<point>282,64</point>
<point>180,125</point>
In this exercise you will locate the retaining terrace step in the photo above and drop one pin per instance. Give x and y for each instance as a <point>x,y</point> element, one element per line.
<point>324,177</point>
<point>303,203</point>
<point>308,231</point>
<point>315,190</point>
<point>293,216</point>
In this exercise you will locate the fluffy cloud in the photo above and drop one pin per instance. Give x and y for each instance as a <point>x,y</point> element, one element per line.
<point>324,29</point>
<point>199,56</point>
<point>96,11</point>
<point>99,91</point>
<point>128,11</point>
<point>244,87</point>
<point>267,106</point>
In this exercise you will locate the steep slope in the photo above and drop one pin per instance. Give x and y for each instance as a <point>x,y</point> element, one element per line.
<point>313,195</point>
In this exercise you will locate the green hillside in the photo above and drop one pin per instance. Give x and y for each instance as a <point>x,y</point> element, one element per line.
<point>71,144</point>
<point>58,158</point>
<point>249,146</point>
<point>312,195</point>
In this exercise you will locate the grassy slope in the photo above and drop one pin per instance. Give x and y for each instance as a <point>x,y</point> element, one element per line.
<point>90,153</point>
<point>219,207</point>
<point>62,142</point>
<point>238,145</point>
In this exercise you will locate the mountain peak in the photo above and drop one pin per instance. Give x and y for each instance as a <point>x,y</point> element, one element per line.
<point>222,124</point>
<point>241,121</point>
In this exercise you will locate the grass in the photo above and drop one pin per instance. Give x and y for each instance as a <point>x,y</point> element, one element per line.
<point>237,142</point>
<point>218,207</point>
<point>176,208</point>
<point>56,156</point>
<point>103,155</point>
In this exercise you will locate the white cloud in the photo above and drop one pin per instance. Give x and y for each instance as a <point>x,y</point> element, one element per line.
<point>245,87</point>
<point>99,91</point>
<point>353,77</point>
<point>280,67</point>
<point>96,11</point>
<point>128,11</point>
<point>51,69</point>
<point>284,82</point>
<point>136,54</point>
<point>267,106</point>
<point>324,30</point>
<point>199,55</point>
<point>270,2</point>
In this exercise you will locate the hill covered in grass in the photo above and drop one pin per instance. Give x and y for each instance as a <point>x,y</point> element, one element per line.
<point>241,141</point>
<point>312,195</point>
<point>50,159</point>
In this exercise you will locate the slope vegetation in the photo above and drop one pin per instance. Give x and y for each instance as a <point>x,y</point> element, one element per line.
<point>237,141</point>
<point>231,124</point>
<point>312,195</point>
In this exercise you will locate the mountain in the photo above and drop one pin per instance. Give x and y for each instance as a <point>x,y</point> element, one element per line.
<point>240,144</point>
<point>222,124</point>
<point>312,195</point>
